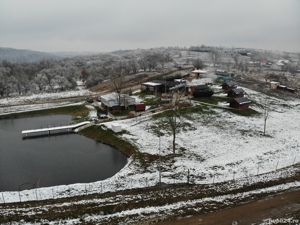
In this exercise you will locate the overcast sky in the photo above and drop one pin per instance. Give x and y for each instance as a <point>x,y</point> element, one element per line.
<point>108,25</point>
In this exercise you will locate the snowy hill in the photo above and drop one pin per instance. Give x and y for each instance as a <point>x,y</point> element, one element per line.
<point>20,56</point>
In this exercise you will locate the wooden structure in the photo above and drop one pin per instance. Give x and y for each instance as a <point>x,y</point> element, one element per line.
<point>236,93</point>
<point>274,84</point>
<point>59,128</point>
<point>138,107</point>
<point>198,73</point>
<point>114,102</point>
<point>229,85</point>
<point>240,103</point>
<point>151,87</point>
<point>201,91</point>
<point>157,86</point>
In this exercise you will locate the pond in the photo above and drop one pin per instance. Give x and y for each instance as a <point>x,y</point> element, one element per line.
<point>49,160</point>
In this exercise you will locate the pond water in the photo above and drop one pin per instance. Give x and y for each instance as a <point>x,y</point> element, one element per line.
<point>49,160</point>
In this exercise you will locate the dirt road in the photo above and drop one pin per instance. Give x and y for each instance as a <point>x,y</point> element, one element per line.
<point>267,210</point>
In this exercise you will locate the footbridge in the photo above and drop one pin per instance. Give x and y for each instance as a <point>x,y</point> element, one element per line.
<point>51,129</point>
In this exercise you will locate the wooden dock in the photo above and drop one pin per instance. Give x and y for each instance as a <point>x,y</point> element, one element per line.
<point>49,129</point>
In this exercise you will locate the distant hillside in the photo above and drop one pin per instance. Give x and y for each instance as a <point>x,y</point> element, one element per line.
<point>18,56</point>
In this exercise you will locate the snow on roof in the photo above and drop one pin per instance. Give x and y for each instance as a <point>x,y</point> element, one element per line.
<point>112,99</point>
<point>243,100</point>
<point>238,90</point>
<point>199,71</point>
<point>279,64</point>
<point>152,84</point>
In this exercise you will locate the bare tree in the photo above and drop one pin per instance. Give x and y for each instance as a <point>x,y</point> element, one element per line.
<point>117,80</point>
<point>292,69</point>
<point>215,56</point>
<point>173,121</point>
<point>4,73</point>
<point>198,64</point>
<point>84,74</point>
<point>235,57</point>
<point>265,115</point>
<point>134,66</point>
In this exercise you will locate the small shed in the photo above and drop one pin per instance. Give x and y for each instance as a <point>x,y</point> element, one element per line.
<point>236,93</point>
<point>198,73</point>
<point>201,91</point>
<point>151,87</point>
<point>229,85</point>
<point>274,84</point>
<point>222,73</point>
<point>139,107</point>
<point>157,86</point>
<point>240,103</point>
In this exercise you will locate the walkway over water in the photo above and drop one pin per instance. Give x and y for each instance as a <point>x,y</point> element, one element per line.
<point>49,129</point>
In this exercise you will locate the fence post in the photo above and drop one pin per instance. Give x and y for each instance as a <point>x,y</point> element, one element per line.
<point>19,196</point>
<point>294,160</point>
<point>214,178</point>
<point>53,194</point>
<point>277,166</point>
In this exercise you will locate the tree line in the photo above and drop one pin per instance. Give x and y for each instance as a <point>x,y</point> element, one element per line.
<point>50,75</point>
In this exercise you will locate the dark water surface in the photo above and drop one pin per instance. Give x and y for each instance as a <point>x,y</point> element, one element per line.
<point>52,160</point>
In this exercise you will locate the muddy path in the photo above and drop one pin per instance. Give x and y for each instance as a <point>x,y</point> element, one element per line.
<point>279,209</point>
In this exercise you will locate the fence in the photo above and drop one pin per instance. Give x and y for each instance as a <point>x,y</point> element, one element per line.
<point>125,183</point>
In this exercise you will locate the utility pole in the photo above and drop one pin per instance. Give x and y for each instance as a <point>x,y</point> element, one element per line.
<point>159,167</point>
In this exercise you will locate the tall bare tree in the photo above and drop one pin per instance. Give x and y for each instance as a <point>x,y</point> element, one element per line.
<point>235,57</point>
<point>265,115</point>
<point>215,56</point>
<point>118,81</point>
<point>172,121</point>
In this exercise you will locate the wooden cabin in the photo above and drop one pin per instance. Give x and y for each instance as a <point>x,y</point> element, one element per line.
<point>229,85</point>
<point>157,86</point>
<point>236,93</point>
<point>201,91</point>
<point>240,103</point>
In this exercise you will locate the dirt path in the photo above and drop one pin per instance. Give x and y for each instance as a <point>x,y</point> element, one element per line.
<point>269,209</point>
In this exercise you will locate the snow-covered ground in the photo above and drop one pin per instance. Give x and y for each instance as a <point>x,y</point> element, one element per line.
<point>224,146</point>
<point>37,101</point>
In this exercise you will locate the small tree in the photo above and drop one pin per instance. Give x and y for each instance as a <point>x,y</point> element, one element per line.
<point>172,122</point>
<point>117,79</point>
<point>198,64</point>
<point>265,116</point>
